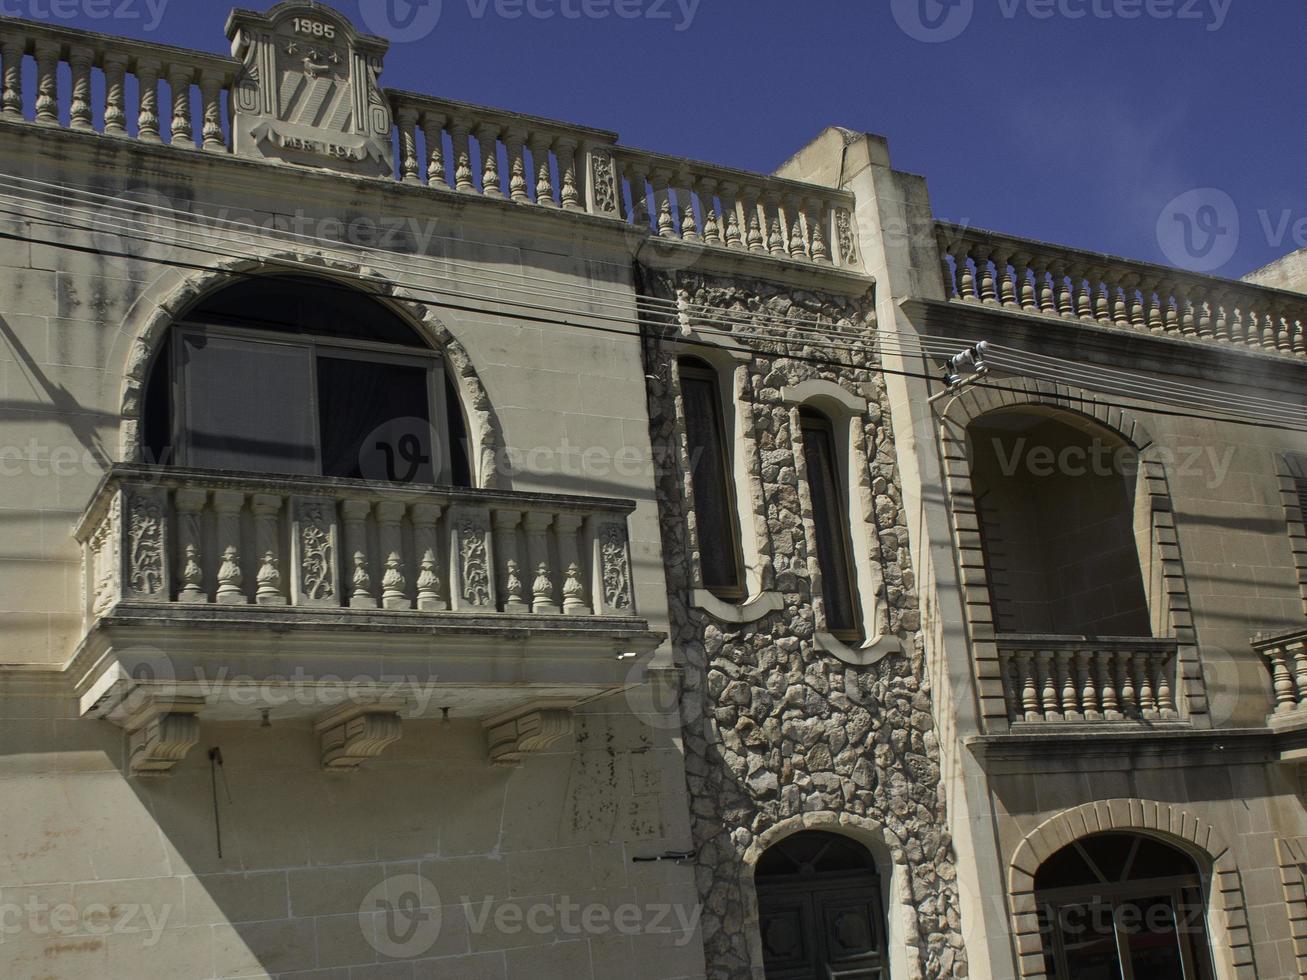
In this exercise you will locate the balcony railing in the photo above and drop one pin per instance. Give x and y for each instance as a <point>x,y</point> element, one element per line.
<point>194,538</point>
<point>131,72</point>
<point>1027,276</point>
<point>117,84</point>
<point>1069,679</point>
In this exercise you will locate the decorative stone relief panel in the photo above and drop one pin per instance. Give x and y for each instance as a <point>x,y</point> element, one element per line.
<point>775,729</point>
<point>145,560</point>
<point>308,92</point>
<point>314,560</point>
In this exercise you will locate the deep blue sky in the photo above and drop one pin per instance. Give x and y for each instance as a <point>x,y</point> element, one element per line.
<point>1077,131</point>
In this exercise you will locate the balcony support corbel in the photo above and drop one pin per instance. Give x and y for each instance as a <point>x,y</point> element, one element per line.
<point>511,736</point>
<point>160,731</point>
<point>354,733</point>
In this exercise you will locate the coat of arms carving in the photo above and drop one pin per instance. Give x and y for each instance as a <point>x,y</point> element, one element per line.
<point>309,92</point>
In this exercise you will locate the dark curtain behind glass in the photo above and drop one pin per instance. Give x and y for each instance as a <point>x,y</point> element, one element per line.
<point>375,421</point>
<point>712,494</point>
<point>828,516</point>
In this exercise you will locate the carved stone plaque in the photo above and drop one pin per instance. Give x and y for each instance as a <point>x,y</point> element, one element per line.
<point>308,91</point>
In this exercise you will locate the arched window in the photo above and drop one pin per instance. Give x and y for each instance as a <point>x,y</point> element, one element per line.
<point>830,520</point>
<point>820,909</point>
<point>720,560</point>
<point>295,375</point>
<point>1125,907</point>
<point>1055,496</point>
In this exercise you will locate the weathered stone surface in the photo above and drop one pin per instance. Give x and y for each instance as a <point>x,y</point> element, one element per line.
<point>778,727</point>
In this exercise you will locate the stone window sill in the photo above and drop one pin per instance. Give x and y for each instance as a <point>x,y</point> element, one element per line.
<point>871,652</point>
<point>746,612</point>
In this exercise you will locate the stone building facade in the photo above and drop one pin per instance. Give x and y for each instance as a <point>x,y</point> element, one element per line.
<point>445,542</point>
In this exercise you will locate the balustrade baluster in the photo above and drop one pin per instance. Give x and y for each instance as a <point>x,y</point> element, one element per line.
<point>1189,319</point>
<point>1046,281</point>
<point>231,579</point>
<point>267,549</point>
<point>410,166</point>
<point>1093,710</point>
<point>540,145</point>
<point>544,595</point>
<point>460,135</point>
<point>1287,697</point>
<point>211,134</point>
<point>1220,320</point>
<point>685,201</point>
<point>1029,687</point>
<point>1126,685</point>
<point>1071,710</point>
<point>488,141</point>
<point>731,204</point>
<point>148,71</point>
<point>11,88</point>
<point>515,144</point>
<point>433,134</point>
<point>1012,685</point>
<point>1051,693</point>
<point>1107,685</point>
<point>47,83</point>
<point>662,193</point>
<point>115,94</point>
<point>512,585</point>
<point>567,527</point>
<point>967,278</point>
<point>1085,298</point>
<point>394,584</point>
<point>179,83</point>
<point>190,539</point>
<point>430,587</point>
<point>354,514</point>
<point>1144,677</point>
<point>1003,263</point>
<point>985,273</point>
<point>754,236</point>
<point>1066,306</point>
<point>1165,695</point>
<point>570,193</point>
<point>1298,659</point>
<point>775,217</point>
<point>80,59</point>
<point>814,218</point>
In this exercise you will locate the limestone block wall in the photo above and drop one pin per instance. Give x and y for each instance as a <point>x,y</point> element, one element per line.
<point>302,851</point>
<point>780,735</point>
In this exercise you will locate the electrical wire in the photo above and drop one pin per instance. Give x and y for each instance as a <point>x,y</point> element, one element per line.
<point>663,314</point>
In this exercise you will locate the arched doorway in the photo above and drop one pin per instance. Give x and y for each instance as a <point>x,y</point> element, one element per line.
<point>820,910</point>
<point>1123,907</point>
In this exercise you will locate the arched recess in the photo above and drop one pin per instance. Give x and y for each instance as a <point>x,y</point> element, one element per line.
<point>1163,569</point>
<point>903,936</point>
<point>847,414</point>
<point>1227,912</point>
<point>170,296</point>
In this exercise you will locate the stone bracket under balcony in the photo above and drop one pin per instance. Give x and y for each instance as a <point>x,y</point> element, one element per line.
<point>177,607</point>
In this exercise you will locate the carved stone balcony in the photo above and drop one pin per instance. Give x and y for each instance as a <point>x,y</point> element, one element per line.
<point>1061,680</point>
<point>1286,657</point>
<point>348,603</point>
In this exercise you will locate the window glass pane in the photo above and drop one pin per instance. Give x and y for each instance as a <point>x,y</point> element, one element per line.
<point>713,502</point>
<point>248,405</point>
<point>828,516</point>
<point>1089,942</point>
<point>375,421</point>
<point>1149,926</point>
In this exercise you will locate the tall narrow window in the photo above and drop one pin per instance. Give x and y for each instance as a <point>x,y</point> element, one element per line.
<point>710,478</point>
<point>830,517</point>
